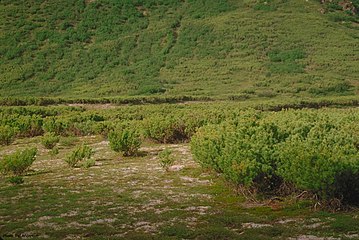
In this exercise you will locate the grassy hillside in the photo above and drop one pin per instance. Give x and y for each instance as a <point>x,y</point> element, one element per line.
<point>240,48</point>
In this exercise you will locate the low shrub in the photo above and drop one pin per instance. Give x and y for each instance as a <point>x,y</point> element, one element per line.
<point>79,154</point>
<point>166,129</point>
<point>243,151</point>
<point>49,140</point>
<point>325,162</point>
<point>166,158</point>
<point>312,150</point>
<point>7,135</point>
<point>125,140</point>
<point>29,126</point>
<point>19,162</point>
<point>57,126</point>
<point>84,128</point>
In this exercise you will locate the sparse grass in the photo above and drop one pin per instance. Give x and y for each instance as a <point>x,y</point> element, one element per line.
<point>134,199</point>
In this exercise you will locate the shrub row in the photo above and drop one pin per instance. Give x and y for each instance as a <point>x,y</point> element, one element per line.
<point>28,101</point>
<point>317,151</point>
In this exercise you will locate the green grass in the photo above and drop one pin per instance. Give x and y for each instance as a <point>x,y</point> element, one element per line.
<point>273,49</point>
<point>133,198</point>
<point>268,55</point>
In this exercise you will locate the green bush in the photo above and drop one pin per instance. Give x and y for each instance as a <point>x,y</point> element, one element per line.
<point>79,154</point>
<point>325,162</point>
<point>312,150</point>
<point>125,140</point>
<point>166,158</point>
<point>166,129</point>
<point>243,151</point>
<point>29,126</point>
<point>49,140</point>
<point>18,162</point>
<point>7,135</point>
<point>57,126</point>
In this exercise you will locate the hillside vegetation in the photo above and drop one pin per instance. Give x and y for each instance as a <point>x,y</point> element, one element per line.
<point>245,49</point>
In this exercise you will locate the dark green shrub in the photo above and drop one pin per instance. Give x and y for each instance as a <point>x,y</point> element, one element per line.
<point>125,140</point>
<point>79,154</point>
<point>18,162</point>
<point>7,135</point>
<point>286,61</point>
<point>49,140</point>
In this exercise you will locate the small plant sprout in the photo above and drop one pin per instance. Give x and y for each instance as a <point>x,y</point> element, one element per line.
<point>166,158</point>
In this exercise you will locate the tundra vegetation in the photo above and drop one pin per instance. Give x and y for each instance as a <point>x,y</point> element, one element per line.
<point>211,169</point>
<point>172,119</point>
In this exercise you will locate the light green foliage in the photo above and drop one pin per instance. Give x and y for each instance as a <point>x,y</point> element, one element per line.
<point>54,125</point>
<point>243,150</point>
<point>125,140</point>
<point>313,150</point>
<point>90,162</point>
<point>165,129</point>
<point>19,162</point>
<point>325,160</point>
<point>7,135</point>
<point>75,48</point>
<point>49,140</point>
<point>26,123</point>
<point>166,158</point>
<point>79,154</point>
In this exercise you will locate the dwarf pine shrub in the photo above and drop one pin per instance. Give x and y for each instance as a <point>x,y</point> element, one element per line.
<point>49,140</point>
<point>125,140</point>
<point>7,135</point>
<point>19,162</point>
<point>316,151</point>
<point>79,154</point>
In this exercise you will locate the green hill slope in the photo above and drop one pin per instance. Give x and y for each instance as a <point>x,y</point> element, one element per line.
<point>248,48</point>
